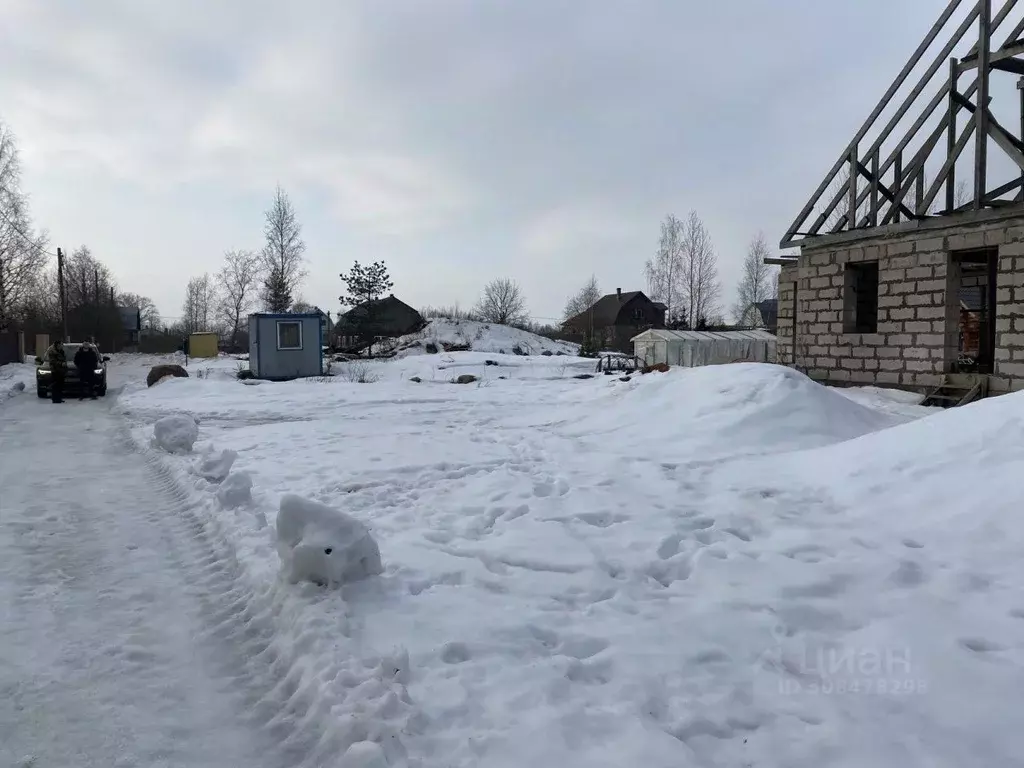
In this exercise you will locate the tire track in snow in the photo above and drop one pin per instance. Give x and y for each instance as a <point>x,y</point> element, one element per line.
<point>312,703</point>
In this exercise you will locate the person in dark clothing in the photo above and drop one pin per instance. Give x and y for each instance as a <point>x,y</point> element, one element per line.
<point>86,361</point>
<point>58,370</point>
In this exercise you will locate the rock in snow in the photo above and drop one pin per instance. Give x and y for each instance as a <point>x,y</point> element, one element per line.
<point>216,466</point>
<point>176,434</point>
<point>235,491</point>
<point>323,545</point>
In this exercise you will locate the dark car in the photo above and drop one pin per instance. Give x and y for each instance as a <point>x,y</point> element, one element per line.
<point>72,384</point>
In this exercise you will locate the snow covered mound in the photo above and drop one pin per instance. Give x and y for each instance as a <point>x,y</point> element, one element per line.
<point>176,433</point>
<point>443,335</point>
<point>216,466</point>
<point>15,378</point>
<point>323,545</point>
<point>235,491</point>
<point>738,409</point>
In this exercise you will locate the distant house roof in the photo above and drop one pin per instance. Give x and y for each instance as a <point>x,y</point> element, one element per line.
<point>391,315</point>
<point>605,311</point>
<point>769,311</point>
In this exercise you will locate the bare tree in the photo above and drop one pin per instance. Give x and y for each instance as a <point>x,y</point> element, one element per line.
<point>238,280</point>
<point>22,251</point>
<point>664,272</point>
<point>700,289</point>
<point>198,308</point>
<point>758,282</point>
<point>502,303</point>
<point>583,299</point>
<point>282,254</point>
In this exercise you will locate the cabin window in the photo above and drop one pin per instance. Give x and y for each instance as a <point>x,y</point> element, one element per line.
<point>289,334</point>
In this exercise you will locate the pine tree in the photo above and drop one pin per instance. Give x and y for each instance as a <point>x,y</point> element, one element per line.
<point>366,286</point>
<point>588,348</point>
<point>277,293</point>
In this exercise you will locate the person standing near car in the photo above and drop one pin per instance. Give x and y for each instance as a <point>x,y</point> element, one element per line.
<point>58,370</point>
<point>87,360</point>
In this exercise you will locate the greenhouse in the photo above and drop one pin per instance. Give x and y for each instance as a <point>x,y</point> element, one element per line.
<point>691,349</point>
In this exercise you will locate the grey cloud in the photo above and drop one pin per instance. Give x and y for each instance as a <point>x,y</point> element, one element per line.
<point>544,140</point>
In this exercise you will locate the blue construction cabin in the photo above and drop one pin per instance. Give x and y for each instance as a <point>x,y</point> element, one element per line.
<point>285,346</point>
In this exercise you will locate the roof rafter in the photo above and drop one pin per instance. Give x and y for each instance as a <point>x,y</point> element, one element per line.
<point>842,204</point>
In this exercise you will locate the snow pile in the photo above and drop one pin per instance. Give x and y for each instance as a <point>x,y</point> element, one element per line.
<point>736,410</point>
<point>235,491</point>
<point>216,466</point>
<point>15,378</point>
<point>441,335</point>
<point>323,545</point>
<point>176,434</point>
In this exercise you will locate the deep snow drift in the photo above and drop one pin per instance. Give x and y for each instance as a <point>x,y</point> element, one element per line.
<point>717,567</point>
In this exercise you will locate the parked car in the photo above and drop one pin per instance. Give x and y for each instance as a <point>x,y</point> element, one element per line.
<point>72,384</point>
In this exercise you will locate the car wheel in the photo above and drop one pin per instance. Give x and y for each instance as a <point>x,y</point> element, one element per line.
<point>41,392</point>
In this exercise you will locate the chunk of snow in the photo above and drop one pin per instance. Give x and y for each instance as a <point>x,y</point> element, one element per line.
<point>216,466</point>
<point>176,434</point>
<point>364,754</point>
<point>235,491</point>
<point>324,545</point>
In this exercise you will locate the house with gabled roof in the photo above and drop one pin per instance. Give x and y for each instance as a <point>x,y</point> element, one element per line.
<point>615,319</point>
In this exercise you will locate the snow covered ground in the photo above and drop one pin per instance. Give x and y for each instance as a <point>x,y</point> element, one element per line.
<point>726,566</point>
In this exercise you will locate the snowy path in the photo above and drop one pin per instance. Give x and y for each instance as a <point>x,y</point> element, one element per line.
<point>118,627</point>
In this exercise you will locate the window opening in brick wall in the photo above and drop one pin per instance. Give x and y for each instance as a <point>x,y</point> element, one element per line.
<point>860,297</point>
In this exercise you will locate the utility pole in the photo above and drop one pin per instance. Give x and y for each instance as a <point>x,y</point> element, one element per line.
<point>96,301</point>
<point>63,294</point>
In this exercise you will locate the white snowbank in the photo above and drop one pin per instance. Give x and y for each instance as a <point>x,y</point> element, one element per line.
<point>470,335</point>
<point>700,413</point>
<point>176,434</point>
<point>323,545</point>
<point>15,378</point>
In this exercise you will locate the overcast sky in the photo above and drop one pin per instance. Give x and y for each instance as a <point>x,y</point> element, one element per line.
<point>458,140</point>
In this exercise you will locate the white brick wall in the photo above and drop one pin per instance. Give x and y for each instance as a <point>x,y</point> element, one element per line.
<point>917,332</point>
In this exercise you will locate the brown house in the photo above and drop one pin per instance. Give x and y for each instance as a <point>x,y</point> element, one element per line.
<point>616,318</point>
<point>385,318</point>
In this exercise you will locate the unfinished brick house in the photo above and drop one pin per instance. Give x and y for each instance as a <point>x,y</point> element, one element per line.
<point>909,292</point>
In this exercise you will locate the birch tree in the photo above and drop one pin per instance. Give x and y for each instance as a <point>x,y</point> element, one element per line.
<point>198,308</point>
<point>22,250</point>
<point>664,272</point>
<point>239,281</point>
<point>583,299</point>
<point>282,255</point>
<point>758,282</point>
<point>700,290</point>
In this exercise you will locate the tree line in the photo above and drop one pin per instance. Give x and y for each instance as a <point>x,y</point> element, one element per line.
<point>30,284</point>
<point>683,275</point>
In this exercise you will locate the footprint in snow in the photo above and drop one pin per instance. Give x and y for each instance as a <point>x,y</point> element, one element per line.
<point>981,645</point>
